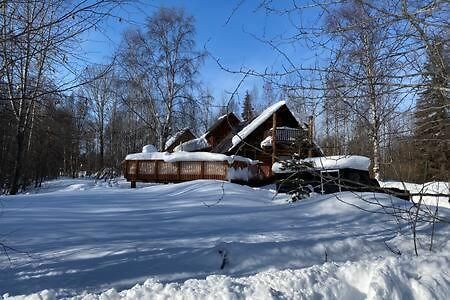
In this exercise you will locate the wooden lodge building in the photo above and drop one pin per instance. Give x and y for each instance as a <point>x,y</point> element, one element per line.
<point>229,150</point>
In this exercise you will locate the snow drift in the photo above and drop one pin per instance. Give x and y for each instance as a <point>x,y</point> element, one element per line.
<point>214,239</point>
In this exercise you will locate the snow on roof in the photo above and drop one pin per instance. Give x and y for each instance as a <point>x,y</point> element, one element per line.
<point>222,116</point>
<point>189,156</point>
<point>247,130</point>
<point>149,148</point>
<point>331,162</point>
<point>193,145</point>
<point>267,142</point>
<point>229,114</point>
<point>340,162</point>
<point>174,137</point>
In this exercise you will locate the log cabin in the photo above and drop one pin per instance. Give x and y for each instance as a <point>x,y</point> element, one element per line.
<point>252,153</point>
<point>272,136</point>
<point>260,141</point>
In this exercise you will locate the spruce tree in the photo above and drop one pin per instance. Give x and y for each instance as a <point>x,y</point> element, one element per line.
<point>248,112</point>
<point>432,123</point>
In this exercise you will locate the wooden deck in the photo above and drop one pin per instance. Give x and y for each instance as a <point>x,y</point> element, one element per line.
<point>161,171</point>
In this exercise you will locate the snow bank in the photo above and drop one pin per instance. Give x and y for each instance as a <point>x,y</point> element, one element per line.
<point>189,156</point>
<point>86,242</point>
<point>149,149</point>
<point>241,135</point>
<point>378,278</point>
<point>435,187</point>
<point>331,162</point>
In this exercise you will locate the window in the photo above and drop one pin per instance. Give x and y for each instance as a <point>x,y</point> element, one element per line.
<point>329,179</point>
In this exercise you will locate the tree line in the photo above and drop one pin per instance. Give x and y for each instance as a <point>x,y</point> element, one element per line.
<point>378,83</point>
<point>380,87</point>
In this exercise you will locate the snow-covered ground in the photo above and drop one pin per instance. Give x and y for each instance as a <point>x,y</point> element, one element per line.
<point>428,188</point>
<point>212,239</point>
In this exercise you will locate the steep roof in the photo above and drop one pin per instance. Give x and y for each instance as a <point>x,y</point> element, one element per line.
<point>258,121</point>
<point>229,120</point>
<point>174,138</point>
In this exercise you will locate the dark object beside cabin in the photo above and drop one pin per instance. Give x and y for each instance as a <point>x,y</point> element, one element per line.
<point>336,180</point>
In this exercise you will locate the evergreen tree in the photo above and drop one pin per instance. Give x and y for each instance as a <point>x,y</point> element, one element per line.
<point>432,130</point>
<point>248,112</point>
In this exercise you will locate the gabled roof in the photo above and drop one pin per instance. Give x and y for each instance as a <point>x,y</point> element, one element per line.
<point>230,119</point>
<point>173,139</point>
<point>201,143</point>
<point>258,121</point>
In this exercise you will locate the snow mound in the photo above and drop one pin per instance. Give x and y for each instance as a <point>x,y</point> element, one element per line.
<point>232,239</point>
<point>331,162</point>
<point>379,278</point>
<point>435,187</point>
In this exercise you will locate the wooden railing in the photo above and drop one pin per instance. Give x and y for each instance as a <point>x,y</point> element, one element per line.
<point>161,171</point>
<point>284,135</point>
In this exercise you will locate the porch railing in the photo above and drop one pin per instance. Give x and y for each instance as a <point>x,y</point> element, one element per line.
<point>161,171</point>
<point>284,135</point>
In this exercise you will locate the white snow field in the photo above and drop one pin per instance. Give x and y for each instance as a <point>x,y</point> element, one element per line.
<point>214,240</point>
<point>438,187</point>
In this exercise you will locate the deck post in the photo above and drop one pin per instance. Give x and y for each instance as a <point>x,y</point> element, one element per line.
<point>274,136</point>
<point>133,184</point>
<point>310,134</point>
<point>156,170</point>
<point>202,170</point>
<point>179,170</point>
<point>137,168</point>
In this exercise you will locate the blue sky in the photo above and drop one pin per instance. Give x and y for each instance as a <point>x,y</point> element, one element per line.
<point>231,42</point>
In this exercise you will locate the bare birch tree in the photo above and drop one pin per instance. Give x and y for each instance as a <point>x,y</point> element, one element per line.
<point>161,63</point>
<point>35,44</point>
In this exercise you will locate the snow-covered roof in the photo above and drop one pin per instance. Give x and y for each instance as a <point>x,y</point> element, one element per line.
<point>174,137</point>
<point>222,116</point>
<point>340,162</point>
<point>149,148</point>
<point>193,145</point>
<point>331,162</point>
<point>247,130</point>
<point>189,156</point>
<point>267,142</point>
